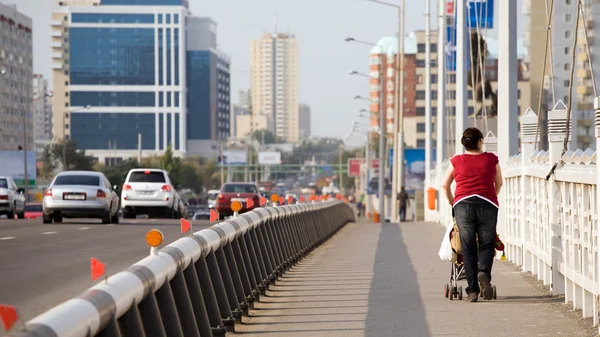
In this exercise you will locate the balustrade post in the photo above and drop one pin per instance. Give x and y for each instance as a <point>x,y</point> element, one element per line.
<point>528,130</point>
<point>597,131</point>
<point>490,143</point>
<point>557,131</point>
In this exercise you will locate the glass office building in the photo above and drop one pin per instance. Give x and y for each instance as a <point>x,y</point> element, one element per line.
<point>125,69</point>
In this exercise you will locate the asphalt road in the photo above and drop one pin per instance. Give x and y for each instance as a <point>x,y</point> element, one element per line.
<point>44,265</point>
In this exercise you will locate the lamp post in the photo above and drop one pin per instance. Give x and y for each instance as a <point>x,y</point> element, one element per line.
<point>381,190</point>
<point>64,136</point>
<point>398,137</point>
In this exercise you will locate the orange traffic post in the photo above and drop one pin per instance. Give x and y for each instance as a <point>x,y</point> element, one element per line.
<point>431,198</point>
<point>236,207</point>
<point>376,217</point>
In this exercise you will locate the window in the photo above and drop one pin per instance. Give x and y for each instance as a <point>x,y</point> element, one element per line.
<point>420,111</point>
<point>420,127</point>
<point>567,34</point>
<point>519,93</point>
<point>147,177</point>
<point>567,2</point>
<point>434,78</point>
<point>567,17</point>
<point>566,50</point>
<point>567,66</point>
<point>566,83</point>
<point>420,48</point>
<point>420,143</point>
<point>68,179</point>
<point>420,94</point>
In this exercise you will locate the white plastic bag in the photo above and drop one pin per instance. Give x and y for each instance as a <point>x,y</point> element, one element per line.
<point>446,253</point>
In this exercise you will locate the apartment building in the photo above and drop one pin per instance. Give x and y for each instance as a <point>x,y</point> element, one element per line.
<point>304,119</point>
<point>16,72</point>
<point>42,113</point>
<point>274,84</point>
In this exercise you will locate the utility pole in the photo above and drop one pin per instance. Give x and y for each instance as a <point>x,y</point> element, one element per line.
<point>441,99</point>
<point>462,38</point>
<point>428,134</point>
<point>140,148</point>
<point>382,133</point>
<point>25,178</point>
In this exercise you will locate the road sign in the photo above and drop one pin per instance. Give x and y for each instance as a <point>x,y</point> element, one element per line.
<point>480,13</point>
<point>354,165</point>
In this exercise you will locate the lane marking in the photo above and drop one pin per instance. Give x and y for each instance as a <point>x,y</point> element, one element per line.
<point>48,233</point>
<point>8,238</point>
<point>110,225</point>
<point>83,228</point>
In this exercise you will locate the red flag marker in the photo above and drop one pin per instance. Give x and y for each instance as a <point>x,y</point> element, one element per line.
<point>9,316</point>
<point>301,198</point>
<point>98,268</point>
<point>281,201</point>
<point>214,216</point>
<point>290,200</point>
<point>338,196</point>
<point>186,225</point>
<point>249,203</point>
<point>263,200</point>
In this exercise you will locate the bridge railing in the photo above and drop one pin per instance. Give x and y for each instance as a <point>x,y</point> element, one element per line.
<point>551,217</point>
<point>200,285</point>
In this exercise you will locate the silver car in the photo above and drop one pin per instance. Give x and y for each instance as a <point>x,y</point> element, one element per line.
<point>81,194</point>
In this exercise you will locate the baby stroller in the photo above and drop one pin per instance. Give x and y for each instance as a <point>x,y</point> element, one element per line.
<point>457,272</point>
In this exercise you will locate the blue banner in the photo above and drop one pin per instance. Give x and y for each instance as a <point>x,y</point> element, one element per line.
<point>480,13</point>
<point>414,170</point>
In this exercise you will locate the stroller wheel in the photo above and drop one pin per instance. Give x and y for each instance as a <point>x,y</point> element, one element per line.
<point>447,290</point>
<point>460,293</point>
<point>494,290</point>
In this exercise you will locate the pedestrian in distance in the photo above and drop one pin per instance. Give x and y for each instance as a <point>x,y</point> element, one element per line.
<point>475,206</point>
<point>403,202</point>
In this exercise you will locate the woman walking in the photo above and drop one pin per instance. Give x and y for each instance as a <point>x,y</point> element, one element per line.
<point>475,206</point>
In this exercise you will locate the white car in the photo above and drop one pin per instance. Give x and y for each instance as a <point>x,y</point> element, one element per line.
<point>212,198</point>
<point>151,192</point>
<point>12,200</point>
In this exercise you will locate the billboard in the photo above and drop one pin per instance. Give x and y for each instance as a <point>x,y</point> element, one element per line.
<point>414,171</point>
<point>12,165</point>
<point>354,166</point>
<point>269,158</point>
<point>233,157</point>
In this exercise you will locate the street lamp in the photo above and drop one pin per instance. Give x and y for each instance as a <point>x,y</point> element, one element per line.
<point>64,136</point>
<point>398,137</point>
<point>360,97</point>
<point>381,134</point>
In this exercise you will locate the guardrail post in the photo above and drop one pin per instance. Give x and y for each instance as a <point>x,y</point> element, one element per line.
<point>214,311</point>
<point>232,294</point>
<point>151,317</point>
<point>557,131</point>
<point>169,313</point>
<point>227,306</point>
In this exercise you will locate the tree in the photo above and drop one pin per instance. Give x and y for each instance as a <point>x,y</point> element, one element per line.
<point>265,137</point>
<point>56,154</point>
<point>117,174</point>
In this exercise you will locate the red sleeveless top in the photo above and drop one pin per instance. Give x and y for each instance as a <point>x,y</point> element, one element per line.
<point>474,176</point>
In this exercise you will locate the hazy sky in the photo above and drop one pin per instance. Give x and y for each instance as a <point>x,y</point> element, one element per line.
<point>319,25</point>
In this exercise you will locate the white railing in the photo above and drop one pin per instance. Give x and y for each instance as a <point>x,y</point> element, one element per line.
<point>551,220</point>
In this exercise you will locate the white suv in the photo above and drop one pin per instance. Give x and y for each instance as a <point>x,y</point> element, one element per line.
<point>151,192</point>
<point>12,200</point>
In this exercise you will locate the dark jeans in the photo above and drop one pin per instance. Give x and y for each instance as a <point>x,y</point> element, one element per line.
<point>402,213</point>
<point>476,220</point>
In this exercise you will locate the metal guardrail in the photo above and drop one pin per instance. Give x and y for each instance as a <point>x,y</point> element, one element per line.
<point>200,285</point>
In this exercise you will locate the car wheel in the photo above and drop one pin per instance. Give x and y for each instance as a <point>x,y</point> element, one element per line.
<point>58,218</point>
<point>106,217</point>
<point>115,218</point>
<point>46,219</point>
<point>128,214</point>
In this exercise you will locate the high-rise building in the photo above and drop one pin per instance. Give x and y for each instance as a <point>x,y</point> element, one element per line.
<point>208,94</point>
<point>414,89</point>
<point>16,71</point>
<point>556,81</point>
<point>128,67</point>
<point>274,83</point>
<point>42,113</point>
<point>304,111</point>
<point>240,109</point>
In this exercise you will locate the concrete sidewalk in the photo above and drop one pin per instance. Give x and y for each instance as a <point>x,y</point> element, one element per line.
<point>373,280</point>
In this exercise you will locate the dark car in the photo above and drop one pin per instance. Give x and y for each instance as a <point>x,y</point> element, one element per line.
<point>241,192</point>
<point>201,213</point>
